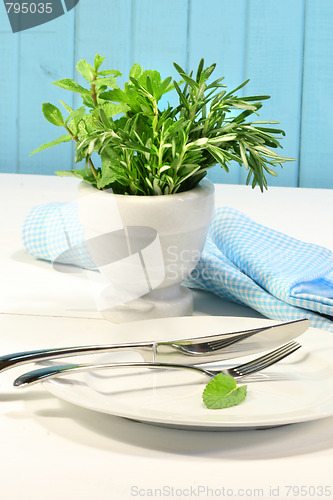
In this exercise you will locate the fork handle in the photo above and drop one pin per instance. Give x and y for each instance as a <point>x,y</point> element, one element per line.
<point>42,374</point>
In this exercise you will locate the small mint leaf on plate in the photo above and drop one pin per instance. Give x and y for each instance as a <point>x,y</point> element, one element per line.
<point>222,392</point>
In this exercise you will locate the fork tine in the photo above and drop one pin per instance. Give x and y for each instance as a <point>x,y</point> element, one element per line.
<point>271,355</point>
<point>268,359</point>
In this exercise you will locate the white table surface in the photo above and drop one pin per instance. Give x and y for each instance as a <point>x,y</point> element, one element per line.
<point>52,449</point>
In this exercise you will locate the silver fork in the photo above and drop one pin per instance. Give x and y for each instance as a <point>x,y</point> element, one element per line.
<point>254,366</point>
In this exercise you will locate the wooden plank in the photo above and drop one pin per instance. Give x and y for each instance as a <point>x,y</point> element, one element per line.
<point>105,28</point>
<point>273,62</point>
<point>46,55</point>
<point>159,32</point>
<point>217,33</point>
<point>159,38</point>
<point>9,48</point>
<point>317,129</point>
<point>152,33</point>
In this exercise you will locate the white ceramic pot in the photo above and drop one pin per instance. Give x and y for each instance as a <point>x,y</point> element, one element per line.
<point>144,247</point>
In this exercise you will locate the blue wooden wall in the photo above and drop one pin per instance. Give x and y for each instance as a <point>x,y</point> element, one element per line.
<point>284,46</point>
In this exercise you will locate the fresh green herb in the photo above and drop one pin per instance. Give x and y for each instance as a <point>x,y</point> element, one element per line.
<point>145,150</point>
<point>222,392</point>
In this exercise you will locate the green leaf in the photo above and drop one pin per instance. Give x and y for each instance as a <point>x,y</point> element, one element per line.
<point>52,114</point>
<point>243,105</point>
<point>76,115</point>
<point>243,154</point>
<point>271,130</point>
<point>237,88</point>
<point>135,71</point>
<point>69,84</point>
<point>112,171</point>
<point>270,171</point>
<point>84,174</point>
<point>68,108</point>
<point>222,392</point>
<point>69,173</point>
<point>63,138</point>
<point>208,71</point>
<point>149,85</point>
<point>199,70</point>
<point>107,72</point>
<point>111,109</point>
<point>218,155</point>
<point>88,101</point>
<point>109,81</point>
<point>199,142</point>
<point>222,138</point>
<point>182,98</point>
<point>86,70</point>
<point>256,98</point>
<point>192,83</point>
<point>165,87</point>
<point>116,95</point>
<point>98,61</point>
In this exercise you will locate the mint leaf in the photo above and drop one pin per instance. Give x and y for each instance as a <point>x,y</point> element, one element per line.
<point>98,61</point>
<point>63,138</point>
<point>74,119</point>
<point>222,392</point>
<point>68,108</point>
<point>52,114</point>
<point>69,84</point>
<point>113,72</point>
<point>112,109</point>
<point>135,71</point>
<point>84,174</point>
<point>232,399</point>
<point>86,70</point>
<point>108,81</point>
<point>116,95</point>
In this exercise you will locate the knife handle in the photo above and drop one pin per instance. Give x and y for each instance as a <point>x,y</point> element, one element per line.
<point>20,358</point>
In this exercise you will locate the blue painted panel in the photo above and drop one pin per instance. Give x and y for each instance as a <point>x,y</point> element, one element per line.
<point>273,62</point>
<point>317,127</point>
<point>159,31</point>
<point>159,37</point>
<point>128,28</point>
<point>9,48</point>
<point>217,33</point>
<point>46,55</point>
<point>109,34</point>
<point>259,39</point>
<point>105,28</point>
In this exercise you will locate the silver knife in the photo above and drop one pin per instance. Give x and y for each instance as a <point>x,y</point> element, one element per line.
<point>195,350</point>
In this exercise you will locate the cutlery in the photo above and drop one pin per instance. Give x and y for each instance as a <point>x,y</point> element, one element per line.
<point>204,349</point>
<point>240,371</point>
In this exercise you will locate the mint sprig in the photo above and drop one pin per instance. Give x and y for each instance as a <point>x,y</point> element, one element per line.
<point>222,392</point>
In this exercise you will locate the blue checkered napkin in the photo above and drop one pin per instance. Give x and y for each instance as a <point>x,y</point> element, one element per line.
<point>53,232</point>
<point>279,276</point>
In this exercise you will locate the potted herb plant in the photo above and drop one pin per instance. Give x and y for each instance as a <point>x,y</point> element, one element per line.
<point>154,159</point>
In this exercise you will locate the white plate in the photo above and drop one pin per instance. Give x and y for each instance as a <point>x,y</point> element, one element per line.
<point>297,389</point>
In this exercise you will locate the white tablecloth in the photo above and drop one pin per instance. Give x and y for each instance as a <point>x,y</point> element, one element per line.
<point>52,449</point>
